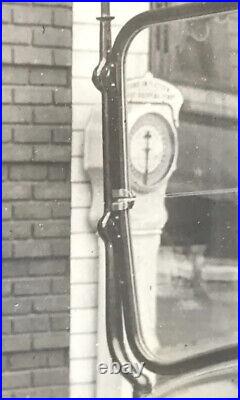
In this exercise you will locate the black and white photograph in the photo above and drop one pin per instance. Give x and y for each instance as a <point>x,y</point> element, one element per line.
<point>119,199</point>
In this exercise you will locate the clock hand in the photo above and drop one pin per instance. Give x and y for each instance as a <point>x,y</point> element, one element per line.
<point>147,150</point>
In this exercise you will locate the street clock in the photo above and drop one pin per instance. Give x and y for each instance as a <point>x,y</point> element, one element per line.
<point>152,148</point>
<point>152,120</point>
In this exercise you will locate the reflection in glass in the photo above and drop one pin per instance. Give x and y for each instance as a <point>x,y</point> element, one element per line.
<point>195,52</point>
<point>194,281</point>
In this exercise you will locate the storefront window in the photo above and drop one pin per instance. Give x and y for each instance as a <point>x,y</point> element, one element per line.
<point>200,52</point>
<point>196,267</point>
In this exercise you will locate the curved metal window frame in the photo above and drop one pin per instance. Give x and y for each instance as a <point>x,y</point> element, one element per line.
<point>114,225</point>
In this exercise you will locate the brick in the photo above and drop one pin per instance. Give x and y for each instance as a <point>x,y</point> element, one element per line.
<point>16,34</point>
<point>60,322</point>
<point>6,54</point>
<point>7,249</point>
<point>83,391</point>
<point>81,195</point>
<point>60,285</point>
<point>16,230</point>
<point>27,360</point>
<point>51,340</point>
<point>56,358</point>
<point>61,209</point>
<point>6,95</point>
<point>32,134</point>
<point>6,13</point>
<point>16,379</point>
<point>62,57</point>
<point>32,15</point>
<point>54,37</point>
<point>61,135</point>
<point>30,323</point>
<point>6,287</point>
<point>47,267</point>
<point>83,296</point>
<point>87,368</point>
<point>56,228</point>
<point>50,377</point>
<point>84,270</point>
<point>83,63</point>
<point>60,247</point>
<point>32,95</point>
<point>60,4</point>
<point>84,321</point>
<point>5,172</point>
<point>41,267</point>
<point>6,133</point>
<point>52,115</point>
<point>51,153</point>
<point>62,18</point>
<point>13,75</point>
<point>54,191</point>
<point>47,76</point>
<point>16,306</point>
<point>16,191</point>
<point>83,92</point>
<point>32,210</point>
<point>6,326</point>
<point>88,347</point>
<point>43,392</point>
<point>14,153</point>
<point>81,114</point>
<point>84,245</point>
<point>78,173</point>
<point>32,248</point>
<point>17,114</point>
<point>32,56</point>
<point>14,269</point>
<point>28,172</point>
<point>5,363</point>
<point>62,95</point>
<point>6,211</point>
<point>59,172</point>
<point>32,287</point>
<point>77,143</point>
<point>51,304</point>
<point>16,343</point>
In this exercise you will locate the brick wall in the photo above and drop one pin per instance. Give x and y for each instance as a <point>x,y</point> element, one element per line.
<point>36,198</point>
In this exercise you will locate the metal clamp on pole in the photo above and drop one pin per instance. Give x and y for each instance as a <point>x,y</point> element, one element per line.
<point>124,199</point>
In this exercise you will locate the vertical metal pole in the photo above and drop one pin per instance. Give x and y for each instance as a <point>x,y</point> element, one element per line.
<point>105,30</point>
<point>114,318</point>
<point>105,47</point>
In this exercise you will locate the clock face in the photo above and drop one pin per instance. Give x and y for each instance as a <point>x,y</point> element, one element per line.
<point>151,151</point>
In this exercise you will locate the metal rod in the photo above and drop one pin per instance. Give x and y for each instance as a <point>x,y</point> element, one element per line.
<point>114,314</point>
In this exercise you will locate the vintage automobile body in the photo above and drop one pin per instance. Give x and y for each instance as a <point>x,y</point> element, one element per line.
<point>219,381</point>
<point>197,374</point>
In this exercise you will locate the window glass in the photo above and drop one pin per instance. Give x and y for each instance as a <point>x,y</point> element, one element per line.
<point>184,222</point>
